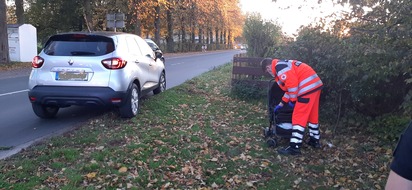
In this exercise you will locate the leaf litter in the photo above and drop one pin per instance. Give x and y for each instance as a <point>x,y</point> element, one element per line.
<point>211,142</point>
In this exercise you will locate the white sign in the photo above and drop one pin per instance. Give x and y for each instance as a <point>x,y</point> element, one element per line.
<point>115,20</point>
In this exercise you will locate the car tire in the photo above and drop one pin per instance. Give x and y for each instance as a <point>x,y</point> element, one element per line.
<point>131,107</point>
<point>45,111</point>
<point>162,84</point>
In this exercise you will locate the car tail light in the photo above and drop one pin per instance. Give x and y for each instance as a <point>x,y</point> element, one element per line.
<point>79,36</point>
<point>37,62</point>
<point>114,63</point>
<point>32,99</point>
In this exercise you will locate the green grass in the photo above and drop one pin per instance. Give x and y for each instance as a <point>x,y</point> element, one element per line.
<point>196,135</point>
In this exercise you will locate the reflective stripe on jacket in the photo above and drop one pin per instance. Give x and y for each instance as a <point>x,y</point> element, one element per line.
<point>295,78</point>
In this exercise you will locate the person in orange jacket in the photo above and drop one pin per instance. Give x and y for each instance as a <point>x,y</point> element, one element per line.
<point>302,88</point>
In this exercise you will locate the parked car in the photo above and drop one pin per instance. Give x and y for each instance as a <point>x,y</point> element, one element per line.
<point>97,68</point>
<point>156,49</point>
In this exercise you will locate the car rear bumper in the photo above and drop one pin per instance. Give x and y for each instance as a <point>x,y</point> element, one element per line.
<point>83,96</point>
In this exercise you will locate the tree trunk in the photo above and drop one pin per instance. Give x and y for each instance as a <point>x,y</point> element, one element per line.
<point>221,37</point>
<point>210,35</point>
<point>225,41</point>
<point>183,38</point>
<point>217,35</point>
<point>4,40</point>
<point>137,25</point>
<point>157,24</point>
<point>88,19</point>
<point>169,38</point>
<point>217,38</point>
<point>183,30</point>
<point>193,36</point>
<point>200,36</point>
<point>19,11</point>
<point>229,39</point>
<point>207,36</point>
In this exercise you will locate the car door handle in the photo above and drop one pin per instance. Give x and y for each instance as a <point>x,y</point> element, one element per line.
<point>136,61</point>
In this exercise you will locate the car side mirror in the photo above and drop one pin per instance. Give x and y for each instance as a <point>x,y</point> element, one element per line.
<point>158,54</point>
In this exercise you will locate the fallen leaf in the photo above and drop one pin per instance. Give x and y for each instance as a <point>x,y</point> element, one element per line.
<point>159,142</point>
<point>100,148</point>
<point>165,186</point>
<point>91,175</point>
<point>122,169</point>
<point>298,181</point>
<point>214,185</point>
<point>265,164</point>
<point>249,184</point>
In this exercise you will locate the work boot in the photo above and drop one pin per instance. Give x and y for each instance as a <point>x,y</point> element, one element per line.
<point>289,151</point>
<point>314,143</point>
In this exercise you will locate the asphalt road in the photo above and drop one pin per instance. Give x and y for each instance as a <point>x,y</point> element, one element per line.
<point>20,127</point>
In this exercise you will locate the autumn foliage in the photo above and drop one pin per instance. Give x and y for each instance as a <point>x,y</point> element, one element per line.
<point>177,25</point>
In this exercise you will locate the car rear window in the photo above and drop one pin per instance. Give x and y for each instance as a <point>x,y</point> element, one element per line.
<point>78,45</point>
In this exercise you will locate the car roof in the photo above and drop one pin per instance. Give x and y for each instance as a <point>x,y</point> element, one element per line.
<point>100,33</point>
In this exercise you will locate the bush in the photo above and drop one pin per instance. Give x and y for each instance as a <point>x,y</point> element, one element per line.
<point>389,127</point>
<point>248,91</point>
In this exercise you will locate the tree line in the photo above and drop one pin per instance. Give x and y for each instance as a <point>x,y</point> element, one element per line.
<point>177,25</point>
<point>364,60</point>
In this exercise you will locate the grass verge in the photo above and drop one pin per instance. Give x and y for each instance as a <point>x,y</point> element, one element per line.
<point>194,136</point>
<point>14,65</point>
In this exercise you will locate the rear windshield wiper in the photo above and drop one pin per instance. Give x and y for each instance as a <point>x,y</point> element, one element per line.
<point>82,53</point>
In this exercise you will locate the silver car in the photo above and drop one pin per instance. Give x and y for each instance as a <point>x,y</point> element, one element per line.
<point>97,68</point>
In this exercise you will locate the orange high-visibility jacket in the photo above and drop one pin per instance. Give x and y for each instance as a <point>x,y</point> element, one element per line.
<point>295,78</point>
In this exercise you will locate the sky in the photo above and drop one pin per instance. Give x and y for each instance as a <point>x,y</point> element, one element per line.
<point>290,14</point>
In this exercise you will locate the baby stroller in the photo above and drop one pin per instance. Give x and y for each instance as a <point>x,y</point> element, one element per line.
<point>280,122</point>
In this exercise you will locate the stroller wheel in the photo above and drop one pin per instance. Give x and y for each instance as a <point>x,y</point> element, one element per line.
<point>272,142</point>
<point>266,132</point>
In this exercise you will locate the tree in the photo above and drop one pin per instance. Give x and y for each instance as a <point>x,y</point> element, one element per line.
<point>361,59</point>
<point>381,42</point>
<point>170,25</point>
<point>261,36</point>
<point>158,19</point>
<point>4,41</point>
<point>19,11</point>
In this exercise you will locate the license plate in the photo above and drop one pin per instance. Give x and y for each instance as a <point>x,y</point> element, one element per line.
<point>71,76</point>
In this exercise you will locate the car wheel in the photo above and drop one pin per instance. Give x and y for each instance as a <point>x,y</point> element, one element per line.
<point>131,107</point>
<point>45,111</point>
<point>162,84</point>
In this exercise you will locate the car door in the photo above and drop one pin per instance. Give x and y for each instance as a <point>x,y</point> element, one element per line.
<point>141,63</point>
<point>154,69</point>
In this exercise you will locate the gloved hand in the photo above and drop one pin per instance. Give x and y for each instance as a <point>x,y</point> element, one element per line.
<point>278,107</point>
<point>291,104</point>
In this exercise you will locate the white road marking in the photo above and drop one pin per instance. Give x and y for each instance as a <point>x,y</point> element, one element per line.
<point>15,92</point>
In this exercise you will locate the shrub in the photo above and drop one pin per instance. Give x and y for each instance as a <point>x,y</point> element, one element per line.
<point>248,91</point>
